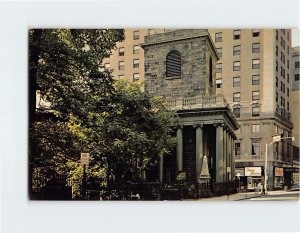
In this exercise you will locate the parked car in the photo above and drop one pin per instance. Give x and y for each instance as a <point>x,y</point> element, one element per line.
<point>295,187</point>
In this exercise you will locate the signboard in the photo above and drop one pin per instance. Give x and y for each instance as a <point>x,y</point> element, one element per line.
<point>240,171</point>
<point>84,158</point>
<point>278,171</point>
<point>181,176</point>
<point>252,171</point>
<point>276,138</point>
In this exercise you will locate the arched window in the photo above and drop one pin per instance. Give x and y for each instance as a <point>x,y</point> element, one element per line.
<point>173,64</point>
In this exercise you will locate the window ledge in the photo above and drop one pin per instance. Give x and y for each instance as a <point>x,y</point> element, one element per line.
<point>174,77</point>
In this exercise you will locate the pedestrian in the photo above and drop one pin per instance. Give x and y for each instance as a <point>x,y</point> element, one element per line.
<point>259,188</point>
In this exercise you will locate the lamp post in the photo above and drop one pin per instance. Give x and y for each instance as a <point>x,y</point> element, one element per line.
<point>276,138</point>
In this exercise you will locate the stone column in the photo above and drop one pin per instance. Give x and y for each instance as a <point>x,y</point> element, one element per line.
<point>179,149</point>
<point>219,153</point>
<point>229,154</point>
<point>199,149</point>
<point>232,157</point>
<point>224,154</point>
<point>161,170</point>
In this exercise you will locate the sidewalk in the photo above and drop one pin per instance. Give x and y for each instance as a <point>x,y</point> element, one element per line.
<point>241,196</point>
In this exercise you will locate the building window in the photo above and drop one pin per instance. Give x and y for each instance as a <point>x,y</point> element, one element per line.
<point>255,111</point>
<point>255,128</point>
<point>236,81</point>
<point>219,83</point>
<point>288,78</point>
<point>219,51</point>
<point>255,47</point>
<point>218,37</point>
<point>237,148</point>
<point>255,79</point>
<point>173,64</point>
<point>237,50</point>
<point>276,34</point>
<point>237,111</point>
<point>297,65</point>
<point>255,95</point>
<point>297,77</point>
<point>288,91</point>
<point>136,63</point>
<point>236,65</point>
<point>282,58</point>
<point>151,31</point>
<point>219,68</point>
<point>288,106</point>
<point>121,51</point>
<point>276,50</point>
<point>136,35</point>
<point>255,64</point>
<point>237,34</point>
<point>282,43</point>
<point>136,77</point>
<point>276,98</point>
<point>288,63</point>
<point>276,83</point>
<point>255,148</point>
<point>121,65</point>
<point>121,76</point>
<point>237,97</point>
<point>136,49</point>
<point>277,66</point>
<point>107,66</point>
<point>255,32</point>
<point>282,72</point>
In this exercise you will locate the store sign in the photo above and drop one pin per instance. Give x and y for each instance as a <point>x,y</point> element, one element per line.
<point>278,171</point>
<point>252,171</point>
<point>240,171</point>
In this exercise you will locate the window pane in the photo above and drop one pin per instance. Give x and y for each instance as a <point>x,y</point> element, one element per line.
<point>255,79</point>
<point>255,64</point>
<point>136,77</point>
<point>237,50</point>
<point>173,64</point>
<point>136,35</point>
<point>218,37</point>
<point>236,34</point>
<point>236,81</point>
<point>218,67</point>
<point>255,48</point>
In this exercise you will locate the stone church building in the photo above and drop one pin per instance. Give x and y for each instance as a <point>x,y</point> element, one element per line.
<point>180,67</point>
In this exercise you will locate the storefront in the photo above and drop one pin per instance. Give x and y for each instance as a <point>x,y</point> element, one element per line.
<point>278,178</point>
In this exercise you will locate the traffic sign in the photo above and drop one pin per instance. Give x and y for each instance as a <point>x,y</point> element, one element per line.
<point>276,138</point>
<point>84,158</point>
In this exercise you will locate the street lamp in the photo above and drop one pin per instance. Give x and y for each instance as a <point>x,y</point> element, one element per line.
<point>276,138</point>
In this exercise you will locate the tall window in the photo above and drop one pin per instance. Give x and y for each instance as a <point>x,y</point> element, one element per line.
<point>236,65</point>
<point>297,78</point>
<point>136,35</point>
<point>219,83</point>
<point>276,97</point>
<point>121,65</point>
<point>237,111</point>
<point>255,95</point>
<point>255,111</point>
<point>255,148</point>
<point>276,50</point>
<point>236,34</point>
<point>173,64</point>
<point>237,148</point>
<point>237,50</point>
<point>255,47</point>
<point>218,37</point>
<point>136,77</point>
<point>121,51</point>
<point>276,34</point>
<point>255,64</point>
<point>219,51</point>
<point>255,128</point>
<point>237,97</point>
<point>276,65</point>
<point>218,67</point>
<point>236,81</point>
<point>276,83</point>
<point>297,65</point>
<point>136,63</point>
<point>136,49</point>
<point>255,32</point>
<point>255,79</point>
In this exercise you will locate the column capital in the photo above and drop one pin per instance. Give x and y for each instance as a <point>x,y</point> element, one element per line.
<point>198,125</point>
<point>218,124</point>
